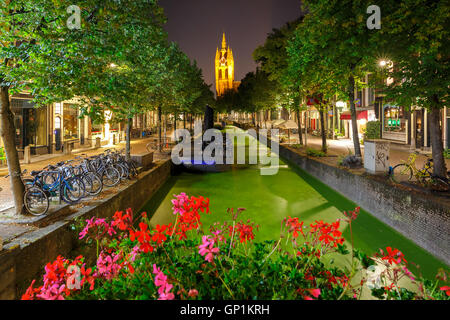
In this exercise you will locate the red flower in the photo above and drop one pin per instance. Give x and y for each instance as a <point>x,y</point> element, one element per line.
<point>446,289</point>
<point>123,222</point>
<point>143,237</point>
<point>393,256</point>
<point>294,226</point>
<point>87,277</point>
<point>159,236</point>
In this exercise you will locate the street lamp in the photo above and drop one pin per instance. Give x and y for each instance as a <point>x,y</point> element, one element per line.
<point>383,63</point>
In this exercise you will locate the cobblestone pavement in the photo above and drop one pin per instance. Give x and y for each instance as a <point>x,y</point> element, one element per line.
<point>38,162</point>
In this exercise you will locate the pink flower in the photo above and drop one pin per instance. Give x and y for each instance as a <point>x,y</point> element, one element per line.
<point>207,249</point>
<point>53,292</point>
<point>178,203</point>
<point>314,292</point>
<point>193,293</point>
<point>134,253</point>
<point>100,227</point>
<point>107,266</point>
<point>164,286</point>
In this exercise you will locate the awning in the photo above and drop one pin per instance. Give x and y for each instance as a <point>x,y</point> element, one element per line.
<point>346,115</point>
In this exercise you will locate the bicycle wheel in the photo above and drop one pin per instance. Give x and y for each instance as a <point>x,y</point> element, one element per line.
<point>97,184</point>
<point>73,190</point>
<point>132,168</point>
<point>122,170</point>
<point>401,173</point>
<point>87,183</point>
<point>110,176</point>
<point>36,201</point>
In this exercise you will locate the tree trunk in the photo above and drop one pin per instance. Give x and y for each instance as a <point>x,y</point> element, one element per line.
<point>439,167</point>
<point>209,118</point>
<point>175,126</point>
<point>265,118</point>
<point>7,132</point>
<point>324,130</point>
<point>300,139</point>
<point>128,139</point>
<point>159,129</point>
<point>190,122</point>
<point>184,120</point>
<point>351,93</point>
<point>306,128</point>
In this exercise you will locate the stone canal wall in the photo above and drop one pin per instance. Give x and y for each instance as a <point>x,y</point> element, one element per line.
<point>23,259</point>
<point>421,218</point>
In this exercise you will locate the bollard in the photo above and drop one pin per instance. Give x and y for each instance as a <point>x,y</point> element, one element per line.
<point>27,154</point>
<point>67,147</point>
<point>97,142</point>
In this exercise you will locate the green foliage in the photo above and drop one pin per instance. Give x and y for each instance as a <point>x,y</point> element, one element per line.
<point>447,153</point>
<point>315,153</point>
<point>373,130</point>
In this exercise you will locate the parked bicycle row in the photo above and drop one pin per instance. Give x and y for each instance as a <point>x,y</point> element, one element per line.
<point>73,180</point>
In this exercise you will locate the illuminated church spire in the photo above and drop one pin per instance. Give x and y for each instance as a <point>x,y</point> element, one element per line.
<point>224,69</point>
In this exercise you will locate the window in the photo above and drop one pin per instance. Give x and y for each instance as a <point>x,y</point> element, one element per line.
<point>70,121</point>
<point>30,123</point>
<point>394,119</point>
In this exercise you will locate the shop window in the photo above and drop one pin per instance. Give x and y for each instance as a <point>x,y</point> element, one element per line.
<point>70,121</point>
<point>394,120</point>
<point>30,123</point>
<point>37,126</point>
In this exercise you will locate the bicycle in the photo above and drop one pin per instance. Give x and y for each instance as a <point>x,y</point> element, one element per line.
<point>47,183</point>
<point>163,147</point>
<point>407,172</point>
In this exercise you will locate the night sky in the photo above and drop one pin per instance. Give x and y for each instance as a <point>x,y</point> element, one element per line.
<point>197,26</point>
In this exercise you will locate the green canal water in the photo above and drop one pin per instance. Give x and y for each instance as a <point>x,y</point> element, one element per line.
<point>269,199</point>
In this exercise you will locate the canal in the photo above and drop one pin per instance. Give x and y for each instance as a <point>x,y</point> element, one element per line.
<point>268,199</point>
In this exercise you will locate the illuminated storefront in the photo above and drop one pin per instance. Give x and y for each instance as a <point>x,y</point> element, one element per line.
<point>395,123</point>
<point>67,125</point>
<point>31,125</point>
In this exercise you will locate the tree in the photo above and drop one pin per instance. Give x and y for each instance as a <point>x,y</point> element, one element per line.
<point>414,36</point>
<point>273,59</point>
<point>118,60</point>
<point>23,24</point>
<point>334,45</point>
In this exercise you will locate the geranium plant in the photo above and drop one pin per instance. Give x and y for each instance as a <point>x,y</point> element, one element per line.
<point>185,260</point>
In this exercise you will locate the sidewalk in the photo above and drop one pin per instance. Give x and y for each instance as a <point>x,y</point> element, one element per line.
<point>342,147</point>
<point>38,162</point>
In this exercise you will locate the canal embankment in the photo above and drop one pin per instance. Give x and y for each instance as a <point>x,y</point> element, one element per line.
<point>23,257</point>
<point>422,218</point>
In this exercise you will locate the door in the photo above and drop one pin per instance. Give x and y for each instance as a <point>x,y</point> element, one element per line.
<point>448,133</point>
<point>418,118</point>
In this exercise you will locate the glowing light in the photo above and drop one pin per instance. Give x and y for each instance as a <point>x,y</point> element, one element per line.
<point>383,63</point>
<point>340,104</point>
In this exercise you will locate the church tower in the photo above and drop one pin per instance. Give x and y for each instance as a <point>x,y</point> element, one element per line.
<point>224,66</point>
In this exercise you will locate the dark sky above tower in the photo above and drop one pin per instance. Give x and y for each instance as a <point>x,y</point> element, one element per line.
<point>197,26</point>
